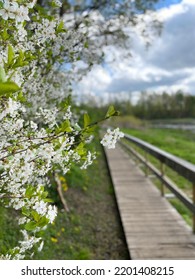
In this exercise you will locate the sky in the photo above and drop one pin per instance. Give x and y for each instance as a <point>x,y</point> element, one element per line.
<point>167,65</point>
<point>166,3</point>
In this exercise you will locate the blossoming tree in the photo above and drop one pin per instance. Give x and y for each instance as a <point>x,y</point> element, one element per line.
<point>39,134</point>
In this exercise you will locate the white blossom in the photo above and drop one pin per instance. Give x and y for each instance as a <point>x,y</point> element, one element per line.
<point>111,137</point>
<point>41,246</point>
<point>58,3</point>
<point>33,125</point>
<point>68,113</point>
<point>51,213</point>
<point>90,158</point>
<point>22,220</point>
<point>28,242</point>
<point>40,207</point>
<point>13,11</point>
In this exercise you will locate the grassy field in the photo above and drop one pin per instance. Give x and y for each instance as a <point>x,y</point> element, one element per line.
<point>178,142</point>
<point>91,230</point>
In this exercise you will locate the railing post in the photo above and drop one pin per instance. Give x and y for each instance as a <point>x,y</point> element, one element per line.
<point>146,163</point>
<point>136,158</point>
<point>162,170</point>
<point>193,196</point>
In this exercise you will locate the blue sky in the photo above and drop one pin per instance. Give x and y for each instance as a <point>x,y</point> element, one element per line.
<point>168,65</point>
<point>166,3</point>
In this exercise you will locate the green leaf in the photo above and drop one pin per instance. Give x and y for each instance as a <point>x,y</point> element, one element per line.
<point>90,129</point>
<point>86,120</point>
<point>44,195</point>
<point>42,222</point>
<point>54,5</point>
<point>112,112</point>
<point>25,211</point>
<point>41,189</point>
<point>86,45</point>
<point>8,87</point>
<point>117,113</point>
<point>30,226</point>
<point>5,34</point>
<point>21,60</point>
<point>2,75</point>
<point>80,149</point>
<point>49,200</point>
<point>60,27</point>
<point>11,54</point>
<point>35,215</point>
<point>29,191</point>
<point>21,54</point>
<point>64,127</point>
<point>21,97</point>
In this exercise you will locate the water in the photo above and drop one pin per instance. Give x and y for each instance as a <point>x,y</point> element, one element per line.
<point>176,126</point>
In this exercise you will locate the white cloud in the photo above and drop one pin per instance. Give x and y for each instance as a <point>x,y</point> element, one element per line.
<point>169,64</point>
<point>97,80</point>
<point>170,12</point>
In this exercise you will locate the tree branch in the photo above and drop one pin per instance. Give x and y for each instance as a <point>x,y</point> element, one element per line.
<point>59,190</point>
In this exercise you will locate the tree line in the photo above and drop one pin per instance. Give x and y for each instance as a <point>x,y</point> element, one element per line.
<point>160,106</point>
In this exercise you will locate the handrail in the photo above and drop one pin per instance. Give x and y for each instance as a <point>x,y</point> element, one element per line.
<point>182,167</point>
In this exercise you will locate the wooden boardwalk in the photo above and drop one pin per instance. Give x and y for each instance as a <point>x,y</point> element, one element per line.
<point>153,228</point>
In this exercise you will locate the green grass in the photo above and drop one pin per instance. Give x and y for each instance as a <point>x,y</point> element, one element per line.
<point>178,142</point>
<point>9,232</point>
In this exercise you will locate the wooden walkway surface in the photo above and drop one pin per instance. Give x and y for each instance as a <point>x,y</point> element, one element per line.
<point>153,228</point>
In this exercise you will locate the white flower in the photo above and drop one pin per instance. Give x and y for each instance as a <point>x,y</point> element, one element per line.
<point>12,107</point>
<point>6,12</point>
<point>48,115</point>
<point>68,113</point>
<point>14,11</point>
<point>31,5</point>
<point>89,139</point>
<point>33,125</point>
<point>58,3</point>
<point>28,241</point>
<point>6,257</point>
<point>40,207</point>
<point>22,14</point>
<point>22,220</point>
<point>19,124</point>
<point>41,246</point>
<point>19,257</point>
<point>13,8</point>
<point>89,160</point>
<point>111,137</point>
<point>52,213</point>
<point>18,204</point>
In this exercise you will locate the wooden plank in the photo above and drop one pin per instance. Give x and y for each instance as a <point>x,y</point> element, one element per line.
<point>153,228</point>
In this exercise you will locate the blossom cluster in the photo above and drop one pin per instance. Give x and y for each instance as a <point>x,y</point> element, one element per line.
<point>12,10</point>
<point>111,137</point>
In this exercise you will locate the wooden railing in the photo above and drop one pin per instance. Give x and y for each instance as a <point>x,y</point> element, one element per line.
<point>182,167</point>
